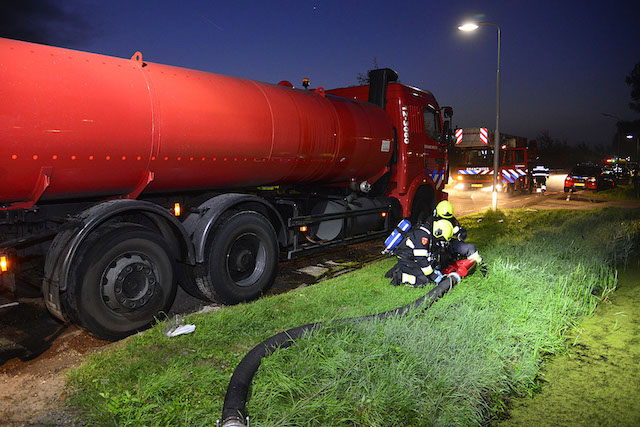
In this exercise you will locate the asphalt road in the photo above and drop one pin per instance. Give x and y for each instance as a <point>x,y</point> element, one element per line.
<point>467,202</point>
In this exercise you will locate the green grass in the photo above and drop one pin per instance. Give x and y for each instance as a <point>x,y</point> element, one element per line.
<point>621,192</point>
<point>454,364</point>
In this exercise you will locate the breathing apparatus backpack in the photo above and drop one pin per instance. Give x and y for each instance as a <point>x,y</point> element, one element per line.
<point>396,236</point>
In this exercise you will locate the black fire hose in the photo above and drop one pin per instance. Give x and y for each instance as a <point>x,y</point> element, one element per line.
<point>234,408</point>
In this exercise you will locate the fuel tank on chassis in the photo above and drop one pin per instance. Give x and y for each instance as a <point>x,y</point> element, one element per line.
<point>76,124</point>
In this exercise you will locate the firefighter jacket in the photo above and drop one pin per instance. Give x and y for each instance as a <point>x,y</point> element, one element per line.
<point>418,257</point>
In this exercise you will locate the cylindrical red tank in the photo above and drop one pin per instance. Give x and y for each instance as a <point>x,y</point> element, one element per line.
<point>76,124</point>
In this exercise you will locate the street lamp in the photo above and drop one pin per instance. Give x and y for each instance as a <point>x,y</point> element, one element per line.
<point>630,136</point>
<point>472,26</point>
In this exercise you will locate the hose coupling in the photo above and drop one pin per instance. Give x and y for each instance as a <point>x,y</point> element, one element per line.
<point>455,278</point>
<point>233,422</point>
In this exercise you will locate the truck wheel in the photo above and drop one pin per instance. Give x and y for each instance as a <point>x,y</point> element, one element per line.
<point>241,259</point>
<point>424,203</point>
<point>123,278</point>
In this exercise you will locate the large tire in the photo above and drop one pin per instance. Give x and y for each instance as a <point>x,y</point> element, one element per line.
<point>241,259</point>
<point>122,280</point>
<point>188,283</point>
<point>424,202</point>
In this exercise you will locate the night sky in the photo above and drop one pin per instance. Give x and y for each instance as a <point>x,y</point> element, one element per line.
<point>563,64</point>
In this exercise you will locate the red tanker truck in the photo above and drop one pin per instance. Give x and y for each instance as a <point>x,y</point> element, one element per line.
<point>123,178</point>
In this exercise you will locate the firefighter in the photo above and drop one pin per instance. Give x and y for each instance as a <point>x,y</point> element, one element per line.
<point>540,174</point>
<point>457,246</point>
<point>419,255</point>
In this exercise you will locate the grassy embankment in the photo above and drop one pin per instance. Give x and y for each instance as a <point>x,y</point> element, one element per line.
<point>621,192</point>
<point>454,364</point>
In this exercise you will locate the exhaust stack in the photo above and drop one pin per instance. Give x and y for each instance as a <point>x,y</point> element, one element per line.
<point>378,80</point>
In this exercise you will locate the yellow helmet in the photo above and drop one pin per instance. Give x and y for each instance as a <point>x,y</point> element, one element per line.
<point>444,209</point>
<point>442,229</point>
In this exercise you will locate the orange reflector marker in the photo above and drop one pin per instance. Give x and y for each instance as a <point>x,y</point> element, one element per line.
<point>4,263</point>
<point>177,210</point>
<point>303,228</point>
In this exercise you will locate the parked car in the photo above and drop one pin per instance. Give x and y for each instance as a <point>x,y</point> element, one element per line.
<point>618,171</point>
<point>588,177</point>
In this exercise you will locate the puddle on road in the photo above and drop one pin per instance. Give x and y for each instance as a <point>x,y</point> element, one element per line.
<point>26,331</point>
<point>598,381</point>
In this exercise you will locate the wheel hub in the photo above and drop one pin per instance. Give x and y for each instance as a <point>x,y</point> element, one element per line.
<point>129,283</point>
<point>246,259</point>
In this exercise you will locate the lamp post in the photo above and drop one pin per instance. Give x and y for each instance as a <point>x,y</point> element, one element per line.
<point>631,136</point>
<point>472,26</point>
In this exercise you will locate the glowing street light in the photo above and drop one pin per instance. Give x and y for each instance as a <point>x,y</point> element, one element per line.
<point>472,26</point>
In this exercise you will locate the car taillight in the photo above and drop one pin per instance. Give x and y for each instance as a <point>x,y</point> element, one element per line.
<point>568,180</point>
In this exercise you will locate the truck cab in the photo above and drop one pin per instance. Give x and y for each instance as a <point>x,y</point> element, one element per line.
<point>418,170</point>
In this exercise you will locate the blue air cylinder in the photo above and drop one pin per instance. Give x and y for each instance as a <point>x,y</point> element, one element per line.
<point>396,236</point>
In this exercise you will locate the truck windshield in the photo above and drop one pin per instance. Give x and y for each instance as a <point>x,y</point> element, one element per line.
<point>479,157</point>
<point>431,124</point>
<point>518,156</point>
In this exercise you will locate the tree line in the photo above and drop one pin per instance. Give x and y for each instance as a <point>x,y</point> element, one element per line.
<point>556,153</point>
<point>559,154</point>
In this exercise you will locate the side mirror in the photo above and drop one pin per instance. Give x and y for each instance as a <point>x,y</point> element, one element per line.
<point>447,132</point>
